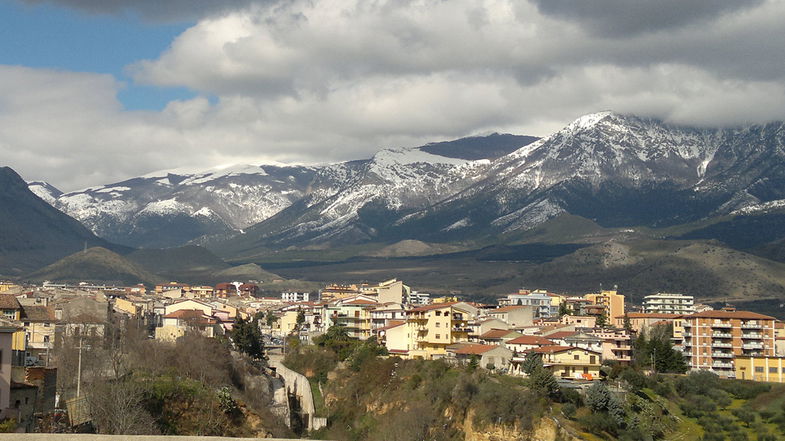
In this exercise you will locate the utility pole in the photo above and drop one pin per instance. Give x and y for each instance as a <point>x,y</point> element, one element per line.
<point>79,370</point>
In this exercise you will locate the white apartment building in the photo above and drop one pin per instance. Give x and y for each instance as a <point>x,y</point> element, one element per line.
<point>666,303</point>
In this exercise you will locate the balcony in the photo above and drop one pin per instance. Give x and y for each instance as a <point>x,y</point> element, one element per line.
<point>687,324</point>
<point>721,355</point>
<point>717,344</point>
<point>754,345</point>
<point>721,365</point>
<point>721,325</point>
<point>461,330</point>
<point>721,335</point>
<point>752,336</point>
<point>751,326</point>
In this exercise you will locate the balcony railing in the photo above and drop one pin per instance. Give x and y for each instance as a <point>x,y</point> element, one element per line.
<point>751,326</point>
<point>752,336</point>
<point>721,325</point>
<point>721,335</point>
<point>718,344</point>
<point>752,346</point>
<point>721,355</point>
<point>721,365</point>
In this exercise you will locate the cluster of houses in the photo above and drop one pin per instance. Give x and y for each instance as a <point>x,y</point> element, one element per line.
<point>574,335</point>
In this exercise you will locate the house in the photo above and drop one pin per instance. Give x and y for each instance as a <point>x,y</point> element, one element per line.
<point>581,340</point>
<point>640,321</point>
<point>171,286</point>
<point>177,323</point>
<point>489,356</point>
<point>395,337</point>
<point>39,326</point>
<point>248,289</point>
<point>434,327</point>
<point>384,314</point>
<point>564,361</point>
<point>616,344</point>
<point>526,342</point>
<point>515,315</point>
<point>202,292</point>
<point>206,308</point>
<point>352,313</point>
<point>498,336</point>
<point>580,321</point>
<point>481,326</point>
<point>12,311</point>
<point>224,290</point>
<point>7,331</point>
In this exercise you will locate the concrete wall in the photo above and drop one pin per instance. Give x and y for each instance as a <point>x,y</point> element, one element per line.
<point>298,385</point>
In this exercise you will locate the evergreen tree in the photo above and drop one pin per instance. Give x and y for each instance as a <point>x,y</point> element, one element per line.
<point>543,380</point>
<point>626,324</point>
<point>602,321</point>
<point>531,363</point>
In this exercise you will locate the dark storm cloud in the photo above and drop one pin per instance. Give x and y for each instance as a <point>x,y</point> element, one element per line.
<point>619,18</point>
<point>155,10</point>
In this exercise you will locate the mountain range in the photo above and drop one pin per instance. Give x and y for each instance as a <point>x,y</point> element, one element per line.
<point>603,177</point>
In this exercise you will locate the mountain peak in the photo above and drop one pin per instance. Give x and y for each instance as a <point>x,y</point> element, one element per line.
<point>590,120</point>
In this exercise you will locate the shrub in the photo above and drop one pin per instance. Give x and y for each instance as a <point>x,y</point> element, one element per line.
<point>569,410</point>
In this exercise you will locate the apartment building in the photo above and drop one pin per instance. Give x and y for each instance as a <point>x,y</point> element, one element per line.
<point>611,302</point>
<point>434,327</point>
<point>352,313</point>
<point>713,339</point>
<point>668,303</point>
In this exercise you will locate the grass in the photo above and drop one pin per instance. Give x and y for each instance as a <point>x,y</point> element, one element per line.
<point>318,399</point>
<point>687,428</point>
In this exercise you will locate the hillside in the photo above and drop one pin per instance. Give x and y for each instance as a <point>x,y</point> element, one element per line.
<point>707,270</point>
<point>190,262</point>
<point>95,265</point>
<point>32,232</point>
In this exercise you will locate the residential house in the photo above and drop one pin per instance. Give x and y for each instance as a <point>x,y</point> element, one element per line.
<point>488,356</point>
<point>224,290</point>
<point>524,343</point>
<point>202,292</point>
<point>515,315</point>
<point>616,344</point>
<point>481,326</point>
<point>382,315</point>
<point>396,337</point>
<point>177,323</point>
<point>11,310</point>
<point>580,321</point>
<point>7,331</point>
<point>641,321</point>
<point>352,313</point>
<point>498,336</point>
<point>206,308</point>
<point>564,361</point>
<point>171,286</point>
<point>434,327</point>
<point>248,289</point>
<point>40,331</point>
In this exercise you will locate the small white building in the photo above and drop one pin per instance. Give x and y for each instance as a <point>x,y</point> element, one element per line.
<point>667,303</point>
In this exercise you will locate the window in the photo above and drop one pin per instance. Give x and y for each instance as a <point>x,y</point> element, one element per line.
<point>438,324</point>
<point>772,370</point>
<point>591,359</point>
<point>759,369</point>
<point>438,336</point>
<point>577,357</point>
<point>438,313</point>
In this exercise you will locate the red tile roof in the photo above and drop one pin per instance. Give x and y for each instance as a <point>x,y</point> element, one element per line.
<point>497,333</point>
<point>561,334</point>
<point>475,349</point>
<point>530,340</point>
<point>645,315</point>
<point>8,301</point>
<point>392,324</point>
<point>361,302</point>
<point>743,315</point>
<point>552,349</point>
<point>185,314</point>
<point>507,309</point>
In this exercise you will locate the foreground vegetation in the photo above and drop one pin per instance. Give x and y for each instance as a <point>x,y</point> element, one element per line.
<point>369,395</point>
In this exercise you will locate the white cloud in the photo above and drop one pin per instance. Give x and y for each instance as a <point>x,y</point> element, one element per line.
<point>323,80</point>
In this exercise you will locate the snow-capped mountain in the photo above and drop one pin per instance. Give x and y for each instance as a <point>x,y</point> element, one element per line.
<point>617,170</point>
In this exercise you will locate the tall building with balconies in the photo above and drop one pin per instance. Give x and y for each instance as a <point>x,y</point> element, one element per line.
<point>666,303</point>
<point>434,327</point>
<point>713,339</point>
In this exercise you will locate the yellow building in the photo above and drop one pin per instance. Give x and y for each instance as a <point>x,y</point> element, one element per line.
<point>565,362</point>
<point>434,327</point>
<point>353,314</point>
<point>758,368</point>
<point>8,286</point>
<point>39,330</point>
<point>611,301</point>
<point>10,309</point>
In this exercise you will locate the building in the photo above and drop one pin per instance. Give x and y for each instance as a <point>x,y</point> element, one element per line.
<point>541,301</point>
<point>612,303</point>
<point>163,287</point>
<point>580,321</point>
<point>641,321</point>
<point>498,336</point>
<point>353,314</point>
<point>758,368</point>
<point>434,327</point>
<point>297,297</point>
<point>669,303</point>
<point>517,315</point>
<point>713,339</point>
<point>7,331</point>
<point>39,326</point>
<point>177,323</point>
<point>488,356</point>
<point>337,292</point>
<point>418,298</point>
<point>616,344</point>
<point>527,342</point>
<point>564,361</point>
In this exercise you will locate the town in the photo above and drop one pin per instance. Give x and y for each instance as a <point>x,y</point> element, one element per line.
<point>574,336</point>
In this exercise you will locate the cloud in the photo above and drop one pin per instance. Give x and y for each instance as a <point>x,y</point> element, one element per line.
<point>325,80</point>
<point>156,10</point>
<point>618,18</point>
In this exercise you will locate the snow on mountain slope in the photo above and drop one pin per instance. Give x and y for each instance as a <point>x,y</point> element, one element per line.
<point>45,191</point>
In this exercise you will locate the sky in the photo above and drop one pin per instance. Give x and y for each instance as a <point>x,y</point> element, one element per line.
<point>96,91</point>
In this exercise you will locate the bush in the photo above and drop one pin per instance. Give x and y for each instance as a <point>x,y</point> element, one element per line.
<point>572,396</point>
<point>569,410</point>
<point>598,423</point>
<point>634,379</point>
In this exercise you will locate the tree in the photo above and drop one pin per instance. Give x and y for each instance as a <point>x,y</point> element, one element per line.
<point>271,318</point>
<point>602,320</point>
<point>626,323</point>
<point>564,309</point>
<point>300,318</point>
<point>116,408</point>
<point>247,337</point>
<point>531,363</point>
<point>543,381</point>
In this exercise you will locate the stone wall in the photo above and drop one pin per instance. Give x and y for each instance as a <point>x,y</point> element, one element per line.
<point>298,385</point>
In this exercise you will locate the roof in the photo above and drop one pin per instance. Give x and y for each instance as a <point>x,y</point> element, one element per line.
<point>561,334</point>
<point>653,315</point>
<point>431,307</point>
<point>392,324</point>
<point>508,308</point>
<point>497,333</point>
<point>361,302</point>
<point>8,301</point>
<point>38,314</point>
<point>475,349</point>
<point>530,340</point>
<point>743,315</point>
<point>552,349</point>
<point>185,314</point>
